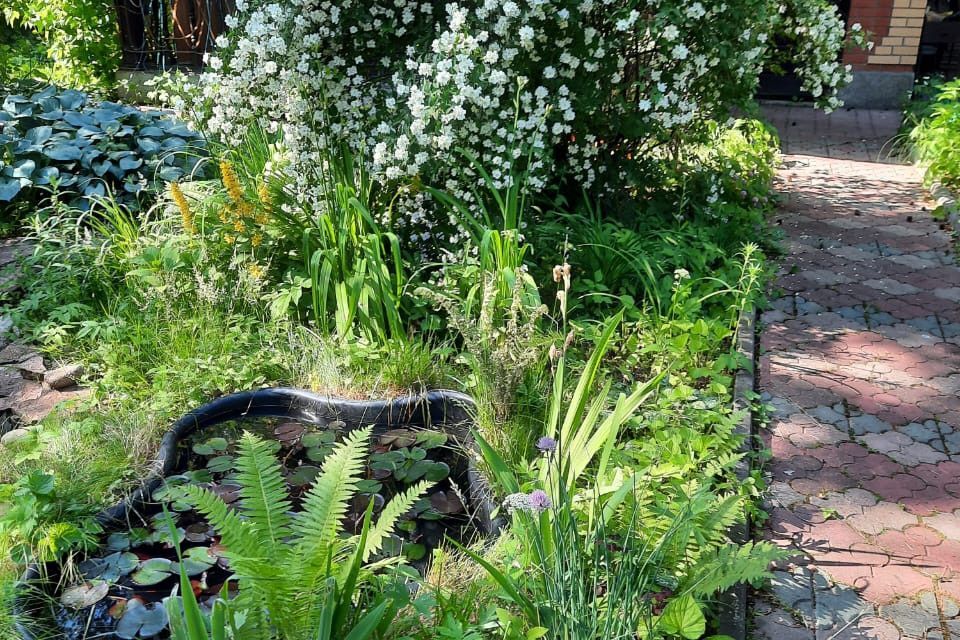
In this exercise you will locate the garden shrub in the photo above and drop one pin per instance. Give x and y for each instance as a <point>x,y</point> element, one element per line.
<point>935,132</point>
<point>80,39</point>
<point>411,85</point>
<point>62,141</point>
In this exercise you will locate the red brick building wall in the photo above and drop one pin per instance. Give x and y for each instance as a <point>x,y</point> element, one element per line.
<point>894,27</point>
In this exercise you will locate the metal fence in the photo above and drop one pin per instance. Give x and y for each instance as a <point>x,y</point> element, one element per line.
<point>165,34</point>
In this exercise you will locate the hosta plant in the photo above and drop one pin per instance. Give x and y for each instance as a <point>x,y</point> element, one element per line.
<point>65,142</point>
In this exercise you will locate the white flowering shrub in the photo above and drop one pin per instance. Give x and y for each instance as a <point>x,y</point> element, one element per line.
<point>539,90</point>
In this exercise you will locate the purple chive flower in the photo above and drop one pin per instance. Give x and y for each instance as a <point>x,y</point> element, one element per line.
<point>547,444</point>
<point>539,501</point>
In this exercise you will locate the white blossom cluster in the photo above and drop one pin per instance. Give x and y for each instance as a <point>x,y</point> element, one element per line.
<point>544,89</point>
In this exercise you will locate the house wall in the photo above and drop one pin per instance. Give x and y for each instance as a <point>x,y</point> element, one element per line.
<point>883,76</point>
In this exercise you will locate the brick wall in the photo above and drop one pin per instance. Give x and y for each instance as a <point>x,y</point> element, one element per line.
<point>895,27</point>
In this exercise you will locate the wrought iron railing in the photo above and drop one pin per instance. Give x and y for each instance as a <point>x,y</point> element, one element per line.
<point>165,34</point>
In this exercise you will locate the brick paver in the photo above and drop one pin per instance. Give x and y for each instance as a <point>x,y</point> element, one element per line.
<point>861,363</point>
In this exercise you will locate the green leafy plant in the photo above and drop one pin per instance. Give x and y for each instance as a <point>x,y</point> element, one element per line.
<point>933,137</point>
<point>301,576</point>
<point>37,522</point>
<point>80,38</point>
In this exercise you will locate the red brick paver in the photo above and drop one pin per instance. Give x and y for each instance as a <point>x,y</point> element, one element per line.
<point>861,362</point>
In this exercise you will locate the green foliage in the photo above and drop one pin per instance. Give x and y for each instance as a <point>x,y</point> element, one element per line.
<point>63,143</point>
<point>80,37</point>
<point>934,133</point>
<point>302,576</point>
<point>37,522</point>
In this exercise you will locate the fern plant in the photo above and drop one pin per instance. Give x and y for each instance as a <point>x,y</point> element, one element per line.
<point>300,575</point>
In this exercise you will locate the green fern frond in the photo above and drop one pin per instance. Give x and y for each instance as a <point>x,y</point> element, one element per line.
<point>263,492</point>
<point>719,569</point>
<point>235,532</point>
<point>399,505</point>
<point>327,502</point>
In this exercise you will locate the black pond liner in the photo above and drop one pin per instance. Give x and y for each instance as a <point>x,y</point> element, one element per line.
<point>447,411</point>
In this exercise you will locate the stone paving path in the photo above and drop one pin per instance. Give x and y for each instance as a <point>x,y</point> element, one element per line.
<point>861,360</point>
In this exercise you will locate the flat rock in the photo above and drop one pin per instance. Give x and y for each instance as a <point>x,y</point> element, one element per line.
<point>37,409</point>
<point>63,377</point>
<point>16,353</point>
<point>14,436</point>
<point>32,368</point>
<point>10,382</point>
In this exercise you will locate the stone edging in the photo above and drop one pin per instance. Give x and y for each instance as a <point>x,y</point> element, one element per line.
<point>733,603</point>
<point>947,203</point>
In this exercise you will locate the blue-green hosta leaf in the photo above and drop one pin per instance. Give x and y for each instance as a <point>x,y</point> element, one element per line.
<point>45,174</point>
<point>170,174</point>
<point>181,130</point>
<point>110,127</point>
<point>21,169</point>
<point>46,92</point>
<point>18,105</point>
<point>93,133</point>
<point>72,99</point>
<point>56,114</point>
<point>48,104</point>
<point>63,152</point>
<point>9,188</point>
<point>129,163</point>
<point>101,168</point>
<point>152,132</point>
<point>95,189</point>
<point>39,135</point>
<point>173,143</point>
<point>5,117</point>
<point>148,145</point>
<point>130,186</point>
<point>89,156</point>
<point>76,119</point>
<point>68,179</point>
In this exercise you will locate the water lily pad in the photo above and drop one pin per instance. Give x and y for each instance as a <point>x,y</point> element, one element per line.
<point>210,447</point>
<point>141,621</point>
<point>153,571</point>
<point>398,438</point>
<point>446,502</point>
<point>84,595</point>
<point>109,568</point>
<point>303,475</point>
<point>220,464</point>
<point>198,532</point>
<point>288,432</point>
<point>431,439</point>
<point>196,560</point>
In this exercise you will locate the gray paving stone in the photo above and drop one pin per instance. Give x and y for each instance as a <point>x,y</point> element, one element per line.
<point>922,432</point>
<point>912,619</point>
<point>866,423</point>
<point>839,605</point>
<point>891,286</point>
<point>948,293</point>
<point>829,415</point>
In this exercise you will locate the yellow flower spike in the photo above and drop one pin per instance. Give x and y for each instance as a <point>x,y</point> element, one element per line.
<point>231,182</point>
<point>239,226</point>
<point>255,270</point>
<point>257,239</point>
<point>263,192</point>
<point>229,239</point>
<point>416,184</point>
<point>185,213</point>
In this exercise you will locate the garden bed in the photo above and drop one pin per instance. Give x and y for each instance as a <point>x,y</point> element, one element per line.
<point>120,592</point>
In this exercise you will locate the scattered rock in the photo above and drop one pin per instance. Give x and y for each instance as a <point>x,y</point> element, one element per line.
<point>32,368</point>
<point>63,377</point>
<point>14,436</point>
<point>16,353</point>
<point>10,382</point>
